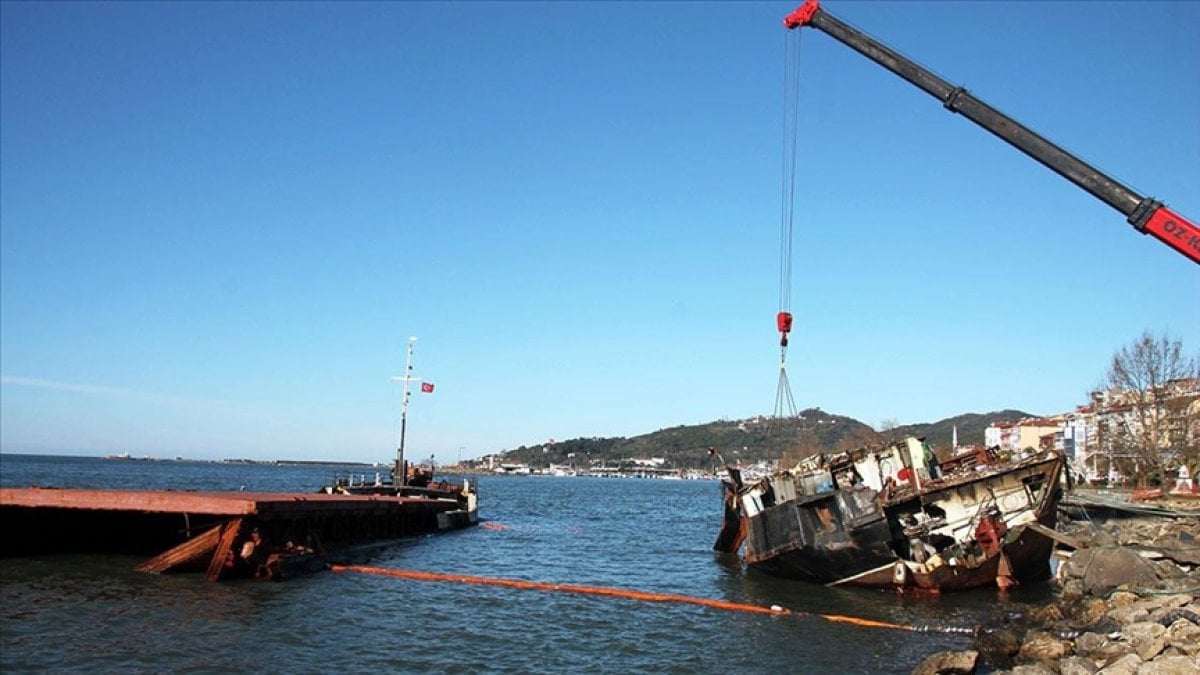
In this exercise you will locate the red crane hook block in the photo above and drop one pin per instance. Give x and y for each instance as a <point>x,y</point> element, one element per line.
<point>783,321</point>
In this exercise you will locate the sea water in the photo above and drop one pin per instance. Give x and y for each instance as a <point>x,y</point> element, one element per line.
<point>75,612</point>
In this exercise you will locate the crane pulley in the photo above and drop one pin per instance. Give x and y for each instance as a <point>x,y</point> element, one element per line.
<point>783,321</point>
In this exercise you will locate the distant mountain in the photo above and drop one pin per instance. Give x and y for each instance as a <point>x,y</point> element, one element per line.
<point>751,440</point>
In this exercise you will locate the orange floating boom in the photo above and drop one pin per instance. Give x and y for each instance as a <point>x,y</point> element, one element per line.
<point>636,595</point>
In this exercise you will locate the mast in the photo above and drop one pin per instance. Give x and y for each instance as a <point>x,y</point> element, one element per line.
<point>401,475</point>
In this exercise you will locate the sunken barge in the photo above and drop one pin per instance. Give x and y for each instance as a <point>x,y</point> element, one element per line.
<point>889,518</point>
<point>228,535</point>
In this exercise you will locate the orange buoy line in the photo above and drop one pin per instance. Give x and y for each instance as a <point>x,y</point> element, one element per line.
<point>638,595</point>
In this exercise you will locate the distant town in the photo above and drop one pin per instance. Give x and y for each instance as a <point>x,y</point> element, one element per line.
<point>125,456</point>
<point>1114,438</point>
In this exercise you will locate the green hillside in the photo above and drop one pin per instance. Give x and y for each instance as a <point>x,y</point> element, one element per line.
<point>970,427</point>
<point>751,440</point>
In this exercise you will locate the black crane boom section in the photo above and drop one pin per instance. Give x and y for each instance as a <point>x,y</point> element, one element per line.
<point>1146,214</point>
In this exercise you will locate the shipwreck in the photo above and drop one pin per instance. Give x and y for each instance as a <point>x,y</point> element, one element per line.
<point>889,517</point>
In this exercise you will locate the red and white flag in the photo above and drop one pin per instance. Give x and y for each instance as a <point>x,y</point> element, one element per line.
<point>426,387</point>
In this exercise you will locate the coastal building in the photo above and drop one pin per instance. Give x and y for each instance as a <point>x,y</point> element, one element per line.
<point>1133,427</point>
<point>1079,440</point>
<point>1026,434</point>
<point>1117,433</point>
<point>1003,435</point>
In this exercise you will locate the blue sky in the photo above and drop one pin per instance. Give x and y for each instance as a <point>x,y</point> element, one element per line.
<point>220,222</point>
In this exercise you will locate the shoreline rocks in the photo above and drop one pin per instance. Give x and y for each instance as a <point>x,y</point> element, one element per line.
<point>1128,604</point>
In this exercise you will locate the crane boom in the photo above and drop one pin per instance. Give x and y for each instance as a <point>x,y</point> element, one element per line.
<point>1146,214</point>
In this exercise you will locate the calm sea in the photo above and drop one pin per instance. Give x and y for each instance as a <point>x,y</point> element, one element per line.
<point>93,613</point>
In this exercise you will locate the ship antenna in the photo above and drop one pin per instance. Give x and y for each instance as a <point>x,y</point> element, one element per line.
<point>401,474</point>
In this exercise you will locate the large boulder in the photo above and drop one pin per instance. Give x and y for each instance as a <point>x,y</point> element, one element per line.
<point>1126,665</point>
<point>1129,614</point>
<point>1111,653</point>
<point>1032,669</point>
<point>1147,638</point>
<point>1169,665</point>
<point>1166,569</point>
<point>1089,642</point>
<point>1076,665</point>
<point>999,645</point>
<point>1090,611</point>
<point>1123,599</point>
<point>948,663</point>
<point>1184,636</point>
<point>1041,646</point>
<point>1104,569</point>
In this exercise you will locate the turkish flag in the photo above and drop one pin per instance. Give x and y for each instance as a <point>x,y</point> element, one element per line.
<point>426,387</point>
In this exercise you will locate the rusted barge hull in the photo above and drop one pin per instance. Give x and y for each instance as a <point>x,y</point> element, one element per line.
<point>224,534</point>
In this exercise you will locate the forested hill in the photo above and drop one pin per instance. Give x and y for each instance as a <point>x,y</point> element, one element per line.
<point>970,427</point>
<point>750,440</point>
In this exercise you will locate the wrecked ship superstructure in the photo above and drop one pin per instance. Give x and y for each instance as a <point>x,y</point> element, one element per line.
<point>888,518</point>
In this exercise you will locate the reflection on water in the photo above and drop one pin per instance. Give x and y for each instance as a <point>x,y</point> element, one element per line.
<point>74,612</point>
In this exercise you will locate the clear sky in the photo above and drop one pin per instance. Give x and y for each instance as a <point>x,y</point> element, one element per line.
<point>222,221</point>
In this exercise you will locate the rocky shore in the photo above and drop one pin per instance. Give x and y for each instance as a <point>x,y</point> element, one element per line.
<point>1127,602</point>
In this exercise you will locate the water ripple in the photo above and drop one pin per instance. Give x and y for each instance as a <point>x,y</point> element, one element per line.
<point>73,613</point>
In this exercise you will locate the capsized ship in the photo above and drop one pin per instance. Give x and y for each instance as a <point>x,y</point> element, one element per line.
<point>887,518</point>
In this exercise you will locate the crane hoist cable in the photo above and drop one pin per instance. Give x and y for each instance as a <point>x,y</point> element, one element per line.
<point>785,405</point>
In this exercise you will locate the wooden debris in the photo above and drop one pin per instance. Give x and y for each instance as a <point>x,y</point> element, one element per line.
<point>229,535</point>
<point>189,552</point>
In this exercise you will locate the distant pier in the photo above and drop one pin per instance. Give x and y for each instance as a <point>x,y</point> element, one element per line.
<point>225,535</point>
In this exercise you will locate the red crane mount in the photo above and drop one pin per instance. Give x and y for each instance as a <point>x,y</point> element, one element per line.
<point>1146,214</point>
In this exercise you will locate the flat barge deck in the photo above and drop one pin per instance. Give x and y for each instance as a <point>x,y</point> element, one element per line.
<point>224,534</point>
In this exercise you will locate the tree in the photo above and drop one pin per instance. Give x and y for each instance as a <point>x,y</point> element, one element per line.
<point>858,437</point>
<point>889,430</point>
<point>807,444</point>
<point>1151,409</point>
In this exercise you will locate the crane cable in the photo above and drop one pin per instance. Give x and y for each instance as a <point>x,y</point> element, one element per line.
<point>785,405</point>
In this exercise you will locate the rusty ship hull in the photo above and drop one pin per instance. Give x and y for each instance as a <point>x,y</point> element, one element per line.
<point>853,523</point>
